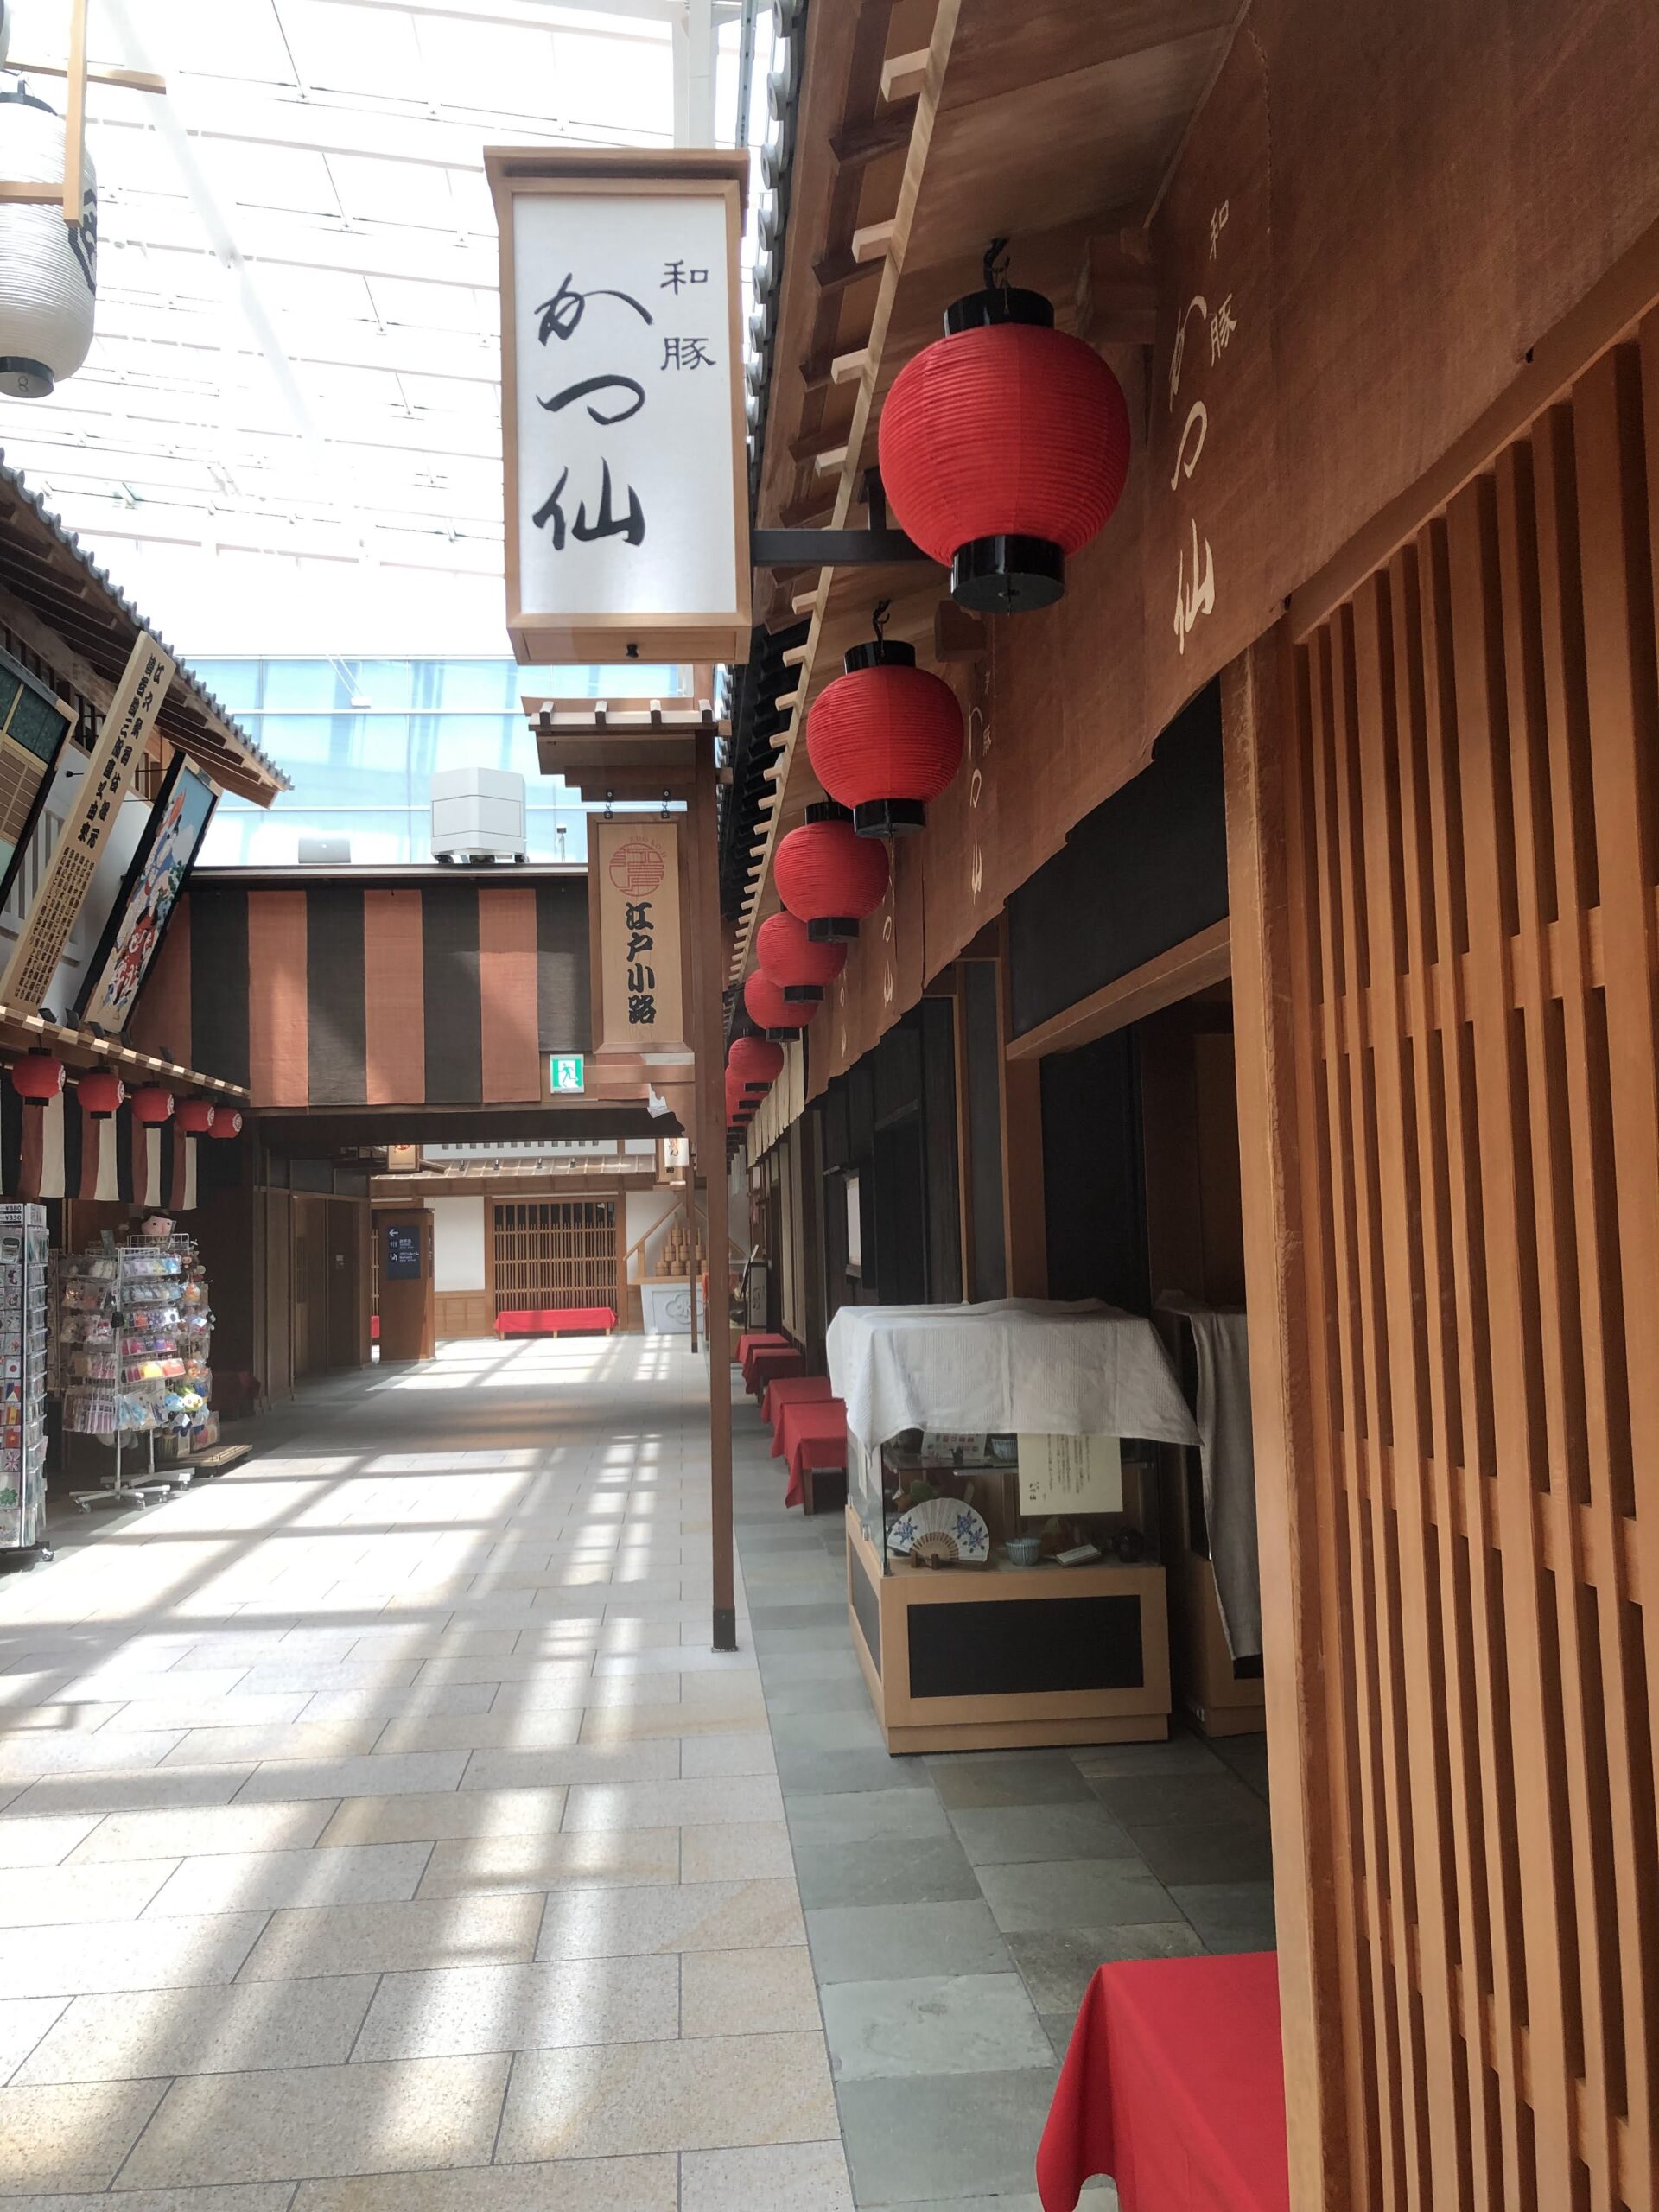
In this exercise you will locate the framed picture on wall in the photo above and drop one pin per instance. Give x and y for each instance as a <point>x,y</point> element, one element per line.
<point>138,921</point>
<point>854,1225</point>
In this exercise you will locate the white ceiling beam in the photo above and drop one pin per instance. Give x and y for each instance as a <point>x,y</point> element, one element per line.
<point>694,72</point>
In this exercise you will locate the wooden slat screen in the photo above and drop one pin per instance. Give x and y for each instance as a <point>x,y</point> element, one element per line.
<point>1467,1126</point>
<point>555,1253</point>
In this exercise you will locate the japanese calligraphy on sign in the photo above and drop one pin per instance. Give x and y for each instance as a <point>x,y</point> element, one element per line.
<point>622,384</point>
<point>68,874</point>
<point>633,873</point>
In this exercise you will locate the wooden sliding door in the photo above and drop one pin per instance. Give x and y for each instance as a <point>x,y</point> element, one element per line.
<point>555,1252</point>
<point>1444,825</point>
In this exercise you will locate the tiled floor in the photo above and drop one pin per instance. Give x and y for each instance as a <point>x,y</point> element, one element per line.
<point>956,1906</point>
<point>378,1833</point>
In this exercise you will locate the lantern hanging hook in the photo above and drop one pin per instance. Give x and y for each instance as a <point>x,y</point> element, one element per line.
<point>609,796</point>
<point>879,619</point>
<point>997,270</point>
<point>664,802</point>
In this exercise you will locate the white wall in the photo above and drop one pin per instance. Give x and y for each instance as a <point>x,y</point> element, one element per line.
<point>459,1258</point>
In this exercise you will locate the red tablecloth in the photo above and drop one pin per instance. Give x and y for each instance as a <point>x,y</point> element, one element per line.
<point>790,1390</point>
<point>815,1435</point>
<point>768,1362</point>
<point>556,1321</point>
<point>747,1343</point>
<point>1174,2086</point>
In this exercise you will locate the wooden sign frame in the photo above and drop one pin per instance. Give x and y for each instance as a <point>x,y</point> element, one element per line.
<point>602,635</point>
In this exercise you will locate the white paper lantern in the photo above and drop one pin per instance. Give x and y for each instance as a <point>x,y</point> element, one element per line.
<point>49,268</point>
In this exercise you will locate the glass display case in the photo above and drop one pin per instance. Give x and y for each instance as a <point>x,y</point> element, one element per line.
<point>931,1501</point>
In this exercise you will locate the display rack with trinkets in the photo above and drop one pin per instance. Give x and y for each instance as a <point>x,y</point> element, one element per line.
<point>23,1340</point>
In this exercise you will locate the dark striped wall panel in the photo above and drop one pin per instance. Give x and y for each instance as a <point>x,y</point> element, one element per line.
<point>450,993</point>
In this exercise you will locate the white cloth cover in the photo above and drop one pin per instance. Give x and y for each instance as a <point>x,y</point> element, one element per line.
<point>1008,1365</point>
<point>1227,1455</point>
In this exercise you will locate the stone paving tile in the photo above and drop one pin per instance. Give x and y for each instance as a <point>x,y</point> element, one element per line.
<point>648,2184</point>
<point>196,2031</point>
<point>74,1960</point>
<point>70,2136</point>
<point>590,1858</point>
<point>1074,1894</point>
<point>865,1943</point>
<point>230,1881</point>
<point>690,1917</point>
<point>429,1815</point>
<point>672,1804</point>
<point>292,2123</point>
<point>747,1992</point>
<point>553,2004</point>
<point>372,1775</point>
<point>925,1870</point>
<point>48,1894</point>
<point>919,2138</point>
<point>386,1938</point>
<point>709,2092</point>
<point>201,1830</point>
<point>129,1792</point>
<point>738,1851</point>
<point>781,2178</point>
<point>23,2021</point>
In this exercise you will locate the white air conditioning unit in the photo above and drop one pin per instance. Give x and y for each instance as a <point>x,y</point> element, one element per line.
<point>477,814</point>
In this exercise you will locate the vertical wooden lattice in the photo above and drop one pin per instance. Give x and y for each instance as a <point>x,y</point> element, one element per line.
<point>555,1253</point>
<point>1471,814</point>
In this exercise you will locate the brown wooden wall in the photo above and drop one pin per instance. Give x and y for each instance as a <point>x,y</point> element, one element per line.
<point>1444,810</point>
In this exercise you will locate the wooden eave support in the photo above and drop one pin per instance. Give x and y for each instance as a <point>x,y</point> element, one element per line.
<point>1117,291</point>
<point>903,76</point>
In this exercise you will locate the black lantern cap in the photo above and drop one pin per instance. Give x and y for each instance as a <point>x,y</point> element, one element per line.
<point>804,994</point>
<point>782,1036</point>
<point>828,809</point>
<point>878,653</point>
<point>998,304</point>
<point>889,818</point>
<point>832,929</point>
<point>1007,574</point>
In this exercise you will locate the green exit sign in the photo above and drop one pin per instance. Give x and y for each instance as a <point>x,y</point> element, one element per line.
<point>564,1071</point>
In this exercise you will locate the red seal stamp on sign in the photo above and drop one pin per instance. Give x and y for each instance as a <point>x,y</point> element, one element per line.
<point>637,867</point>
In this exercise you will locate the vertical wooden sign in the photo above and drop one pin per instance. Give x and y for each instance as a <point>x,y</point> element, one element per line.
<point>634,891</point>
<point>623,428</point>
<point>68,874</point>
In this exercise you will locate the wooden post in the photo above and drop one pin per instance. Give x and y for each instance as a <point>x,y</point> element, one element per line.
<point>1256,739</point>
<point>705,1029</point>
<point>74,126</point>
<point>1025,1225</point>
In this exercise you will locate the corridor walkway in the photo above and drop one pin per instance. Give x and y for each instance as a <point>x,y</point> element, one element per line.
<point>379,1833</point>
<point>378,1820</point>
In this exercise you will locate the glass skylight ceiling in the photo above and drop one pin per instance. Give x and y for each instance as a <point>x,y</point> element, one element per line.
<point>287,437</point>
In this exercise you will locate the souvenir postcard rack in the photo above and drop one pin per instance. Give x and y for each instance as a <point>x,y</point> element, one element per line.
<point>134,1334</point>
<point>23,1339</point>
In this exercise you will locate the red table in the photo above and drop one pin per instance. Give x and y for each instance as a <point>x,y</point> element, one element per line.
<point>814,1437</point>
<point>790,1390</point>
<point>767,1363</point>
<point>1174,2086</point>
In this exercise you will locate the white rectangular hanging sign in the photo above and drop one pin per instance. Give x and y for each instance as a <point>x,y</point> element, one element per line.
<point>623,432</point>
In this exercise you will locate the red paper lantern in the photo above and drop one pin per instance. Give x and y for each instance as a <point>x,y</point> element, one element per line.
<point>226,1123</point>
<point>773,1014</point>
<point>1004,446</point>
<point>885,738</point>
<point>753,1063</point>
<point>152,1103</point>
<point>196,1116</point>
<point>101,1093</point>
<point>827,877</point>
<point>790,957</point>
<point>37,1078</point>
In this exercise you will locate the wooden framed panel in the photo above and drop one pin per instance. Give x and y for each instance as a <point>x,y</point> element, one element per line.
<point>1445,822</point>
